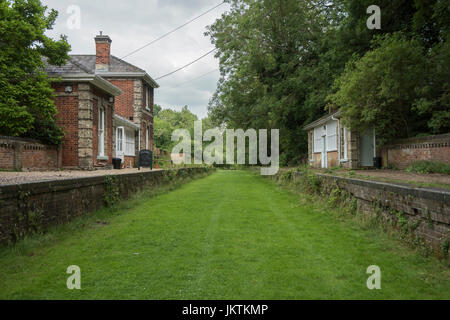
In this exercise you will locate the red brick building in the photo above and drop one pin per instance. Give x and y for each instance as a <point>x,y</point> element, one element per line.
<point>85,103</point>
<point>105,107</point>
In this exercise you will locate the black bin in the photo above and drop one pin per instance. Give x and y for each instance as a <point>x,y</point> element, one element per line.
<point>117,163</point>
<point>377,162</point>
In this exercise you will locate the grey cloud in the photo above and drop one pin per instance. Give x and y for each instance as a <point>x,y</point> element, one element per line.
<point>133,23</point>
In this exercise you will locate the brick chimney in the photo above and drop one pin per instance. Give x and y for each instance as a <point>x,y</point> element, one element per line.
<point>102,52</point>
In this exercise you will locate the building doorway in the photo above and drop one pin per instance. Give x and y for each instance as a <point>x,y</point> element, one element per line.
<point>367,148</point>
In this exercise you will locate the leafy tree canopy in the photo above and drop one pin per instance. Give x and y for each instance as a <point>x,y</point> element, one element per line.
<point>26,105</point>
<point>283,61</point>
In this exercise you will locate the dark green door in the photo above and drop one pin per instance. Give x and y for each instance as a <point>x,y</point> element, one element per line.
<point>367,148</point>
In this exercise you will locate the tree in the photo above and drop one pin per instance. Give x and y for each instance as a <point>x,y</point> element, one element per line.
<point>379,89</point>
<point>167,121</point>
<point>26,105</point>
<point>156,109</point>
<point>433,103</point>
<point>264,47</point>
<point>279,60</point>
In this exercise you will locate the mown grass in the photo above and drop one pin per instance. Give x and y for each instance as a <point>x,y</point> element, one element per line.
<point>231,235</point>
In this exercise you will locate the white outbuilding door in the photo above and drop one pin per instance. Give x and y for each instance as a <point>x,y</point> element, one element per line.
<point>324,156</point>
<point>120,142</point>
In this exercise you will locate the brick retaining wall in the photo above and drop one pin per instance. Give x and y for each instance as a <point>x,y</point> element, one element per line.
<point>402,153</point>
<point>26,154</point>
<point>31,207</point>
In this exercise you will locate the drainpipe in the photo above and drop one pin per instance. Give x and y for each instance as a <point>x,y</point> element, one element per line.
<point>338,137</point>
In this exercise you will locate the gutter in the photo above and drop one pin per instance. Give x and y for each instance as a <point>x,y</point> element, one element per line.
<point>126,122</point>
<point>144,75</point>
<point>338,136</point>
<point>95,80</point>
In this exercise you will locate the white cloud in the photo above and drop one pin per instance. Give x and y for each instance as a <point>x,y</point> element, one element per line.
<point>133,23</point>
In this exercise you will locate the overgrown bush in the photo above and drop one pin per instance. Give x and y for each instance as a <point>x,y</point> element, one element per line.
<point>429,167</point>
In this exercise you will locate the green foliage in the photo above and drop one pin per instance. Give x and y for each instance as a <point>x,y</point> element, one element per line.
<point>402,221</point>
<point>168,120</point>
<point>445,245</point>
<point>279,60</point>
<point>112,191</point>
<point>379,89</point>
<point>429,167</point>
<point>156,110</point>
<point>26,105</point>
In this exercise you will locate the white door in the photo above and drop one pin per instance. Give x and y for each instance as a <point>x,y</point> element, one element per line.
<point>324,152</point>
<point>120,143</point>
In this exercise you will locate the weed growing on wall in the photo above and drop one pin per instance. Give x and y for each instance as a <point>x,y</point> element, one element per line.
<point>112,191</point>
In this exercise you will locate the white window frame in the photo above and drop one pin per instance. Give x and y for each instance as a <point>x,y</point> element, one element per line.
<point>101,132</point>
<point>332,137</point>
<point>147,98</point>
<point>120,139</point>
<point>317,140</point>
<point>129,143</point>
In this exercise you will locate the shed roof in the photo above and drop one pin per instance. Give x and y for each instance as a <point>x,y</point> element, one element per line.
<point>322,120</point>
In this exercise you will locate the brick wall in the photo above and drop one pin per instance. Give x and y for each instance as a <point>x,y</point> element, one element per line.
<point>26,154</point>
<point>124,103</point>
<point>67,118</point>
<point>147,116</point>
<point>78,116</point>
<point>129,162</point>
<point>31,207</point>
<point>6,155</point>
<point>103,52</point>
<point>403,152</point>
<point>132,103</point>
<point>332,159</point>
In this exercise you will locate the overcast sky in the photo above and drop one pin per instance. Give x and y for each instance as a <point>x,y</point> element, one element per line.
<point>133,23</point>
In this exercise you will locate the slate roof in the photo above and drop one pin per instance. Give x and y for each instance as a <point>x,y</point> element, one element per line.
<point>71,67</point>
<point>74,70</point>
<point>85,64</point>
<point>116,64</point>
<point>322,120</point>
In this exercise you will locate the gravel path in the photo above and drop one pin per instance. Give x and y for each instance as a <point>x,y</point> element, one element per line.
<point>9,178</point>
<point>393,175</point>
<point>407,176</point>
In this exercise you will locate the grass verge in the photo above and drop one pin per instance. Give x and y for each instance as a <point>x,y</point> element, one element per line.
<point>231,235</point>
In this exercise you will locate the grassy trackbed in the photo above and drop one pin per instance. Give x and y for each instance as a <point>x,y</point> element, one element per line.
<point>231,235</point>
